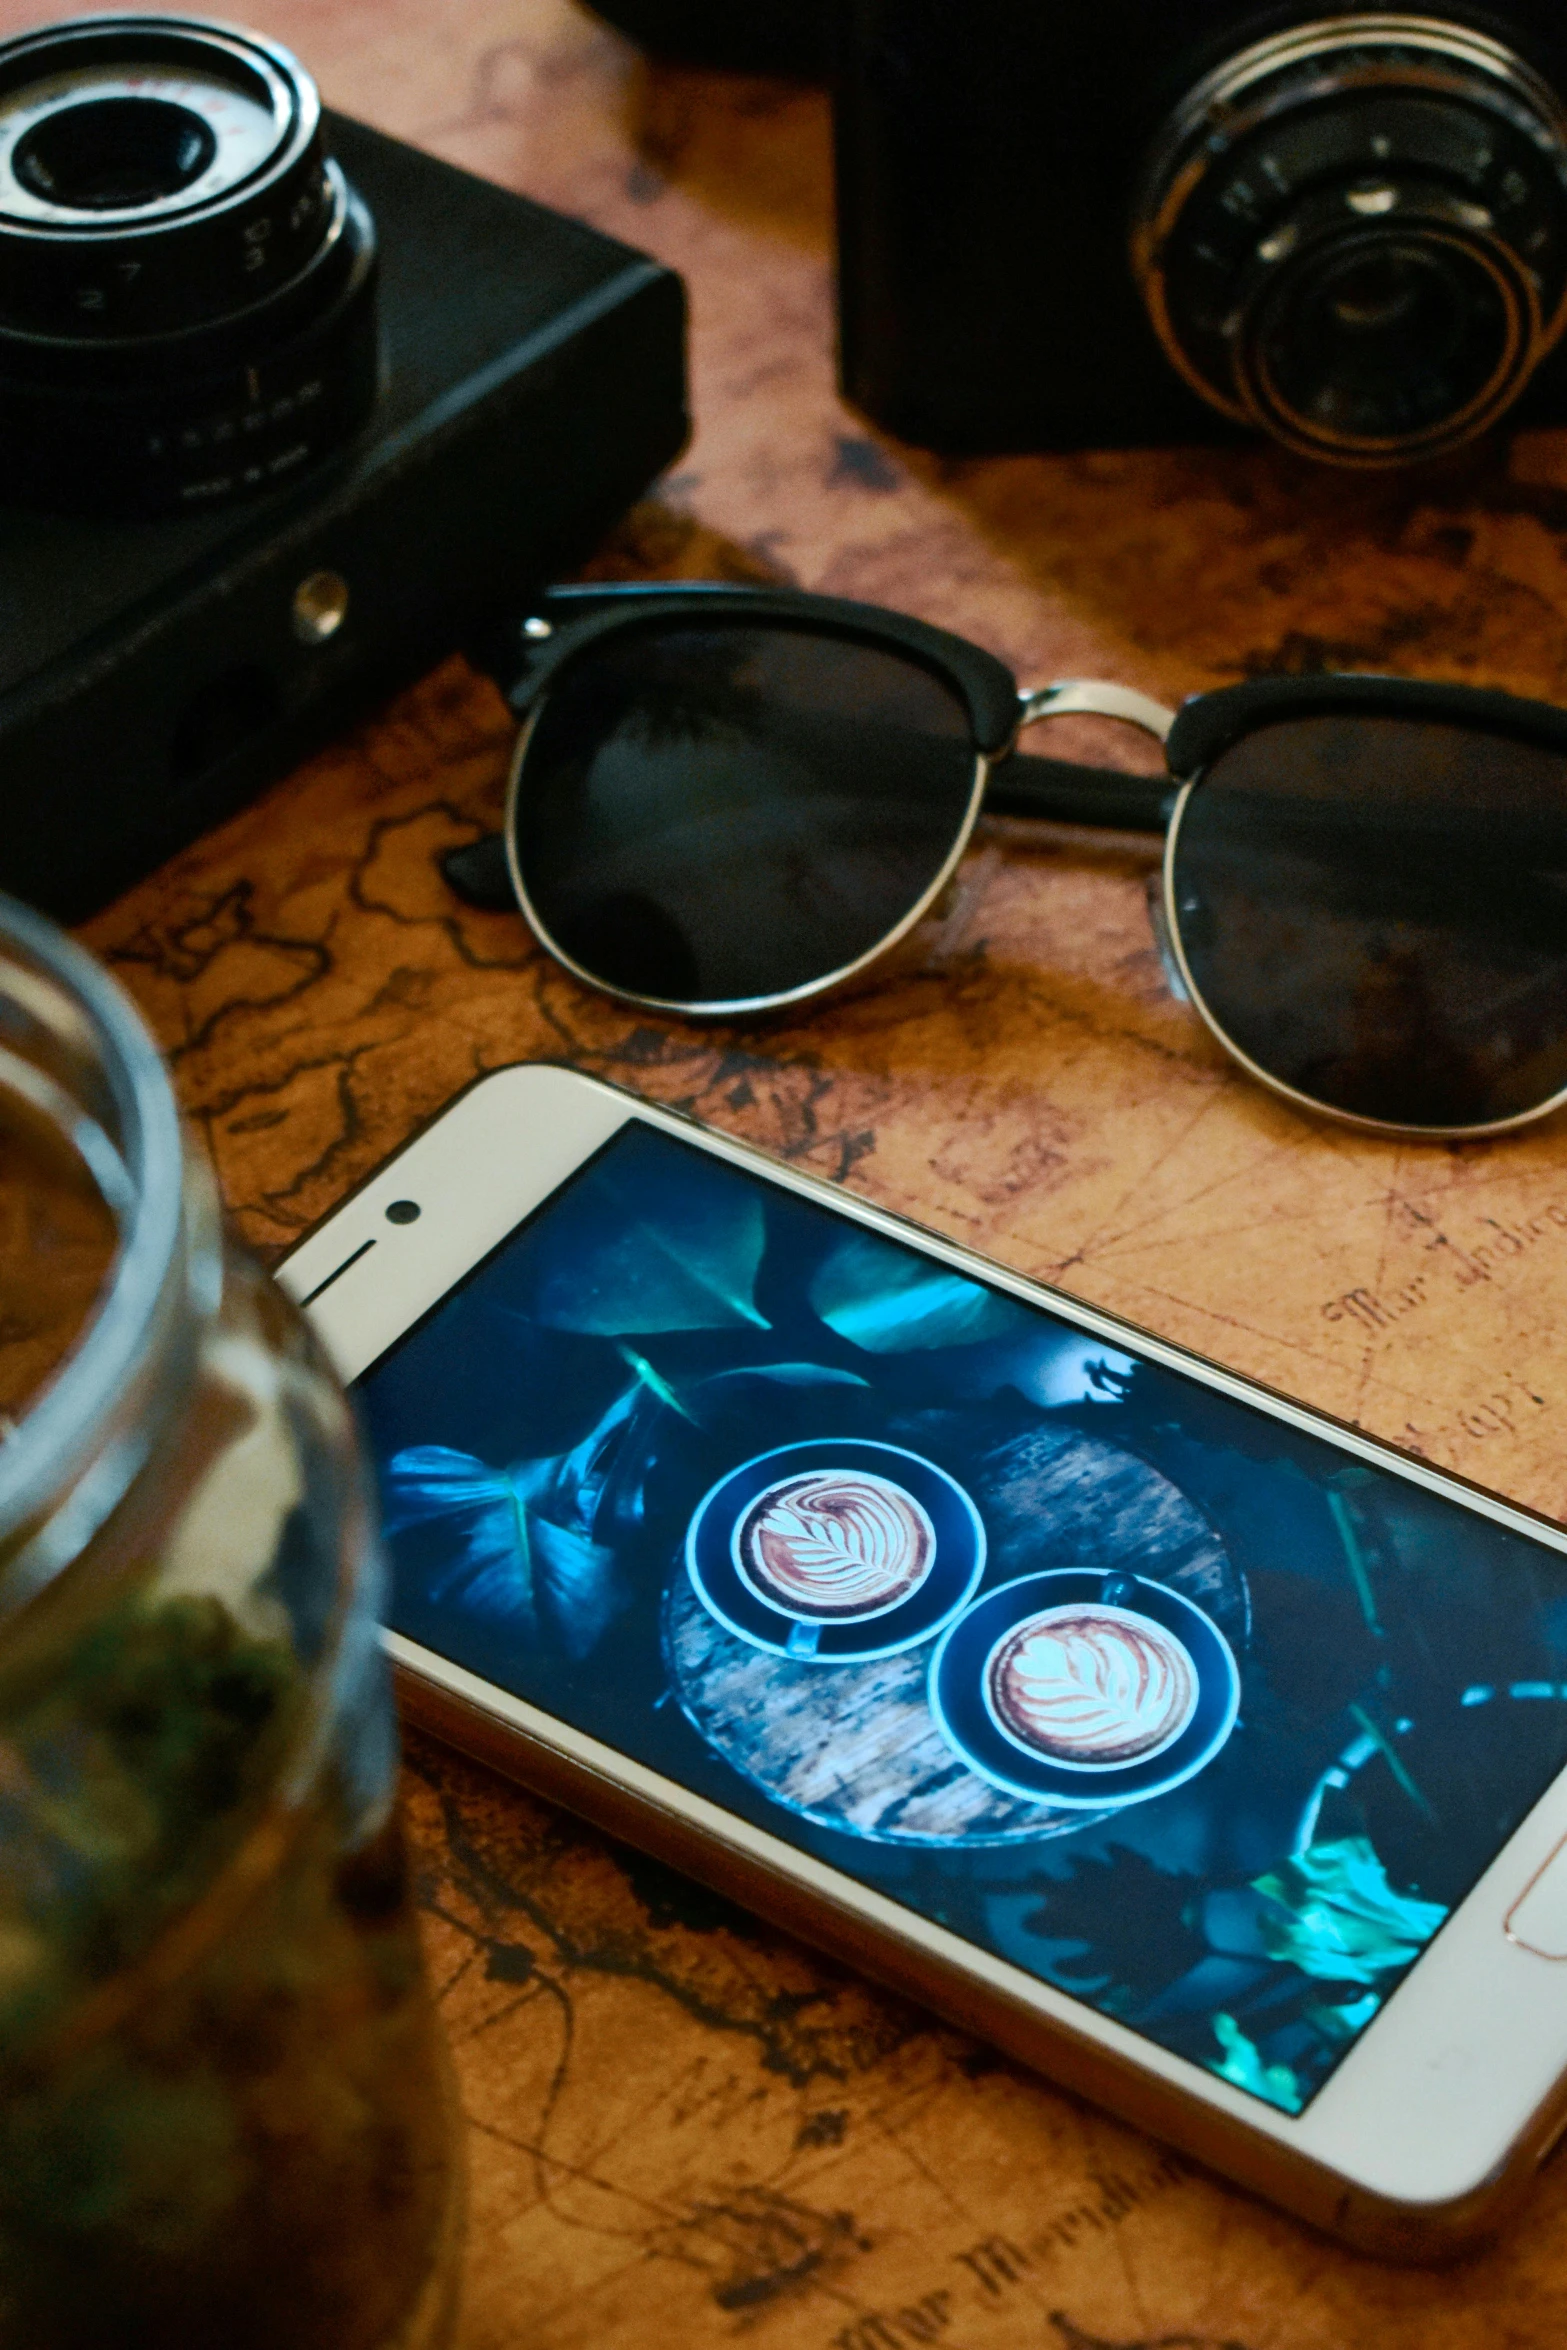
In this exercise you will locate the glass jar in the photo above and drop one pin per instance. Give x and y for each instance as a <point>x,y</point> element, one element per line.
<point>225,2115</point>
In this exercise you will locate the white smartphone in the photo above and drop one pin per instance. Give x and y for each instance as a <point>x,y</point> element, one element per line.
<point>1194,1748</point>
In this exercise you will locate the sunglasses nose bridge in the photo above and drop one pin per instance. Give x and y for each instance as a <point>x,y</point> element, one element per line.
<point>1094,697</point>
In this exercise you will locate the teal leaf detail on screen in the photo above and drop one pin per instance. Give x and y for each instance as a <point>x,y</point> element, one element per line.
<point>889,1301</point>
<point>664,1257</point>
<point>484,1513</point>
<point>1242,2064</point>
<point>1340,2025</point>
<point>654,1381</point>
<point>1332,1913</point>
<point>508,1562</point>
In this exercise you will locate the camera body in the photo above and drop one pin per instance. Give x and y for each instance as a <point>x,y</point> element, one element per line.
<point>1122,224</point>
<point>790,37</point>
<point>155,673</point>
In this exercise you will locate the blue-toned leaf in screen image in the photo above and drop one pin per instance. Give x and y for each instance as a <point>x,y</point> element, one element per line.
<point>1242,2063</point>
<point>519,1549</point>
<point>888,1301</point>
<point>1332,1913</point>
<point>577,1590</point>
<point>482,1514</point>
<point>661,1247</point>
<point>568,1485</point>
<point>1340,2025</point>
<point>780,1375</point>
<point>734,1406</point>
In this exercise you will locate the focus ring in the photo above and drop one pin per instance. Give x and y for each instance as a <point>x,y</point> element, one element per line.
<point>62,358</point>
<point>141,269</point>
<point>1517,348</point>
<point>242,411</point>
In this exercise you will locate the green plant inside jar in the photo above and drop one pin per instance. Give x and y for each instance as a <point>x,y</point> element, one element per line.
<point>224,2111</point>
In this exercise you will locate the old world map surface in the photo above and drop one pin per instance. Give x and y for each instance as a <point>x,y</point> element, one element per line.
<point>685,2128</point>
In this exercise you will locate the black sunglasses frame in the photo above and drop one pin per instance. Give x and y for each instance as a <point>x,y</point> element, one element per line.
<point>575,622</point>
<point>568,622</point>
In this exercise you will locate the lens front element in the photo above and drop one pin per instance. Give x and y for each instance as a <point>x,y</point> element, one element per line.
<point>1377,341</point>
<point>1373,912</point>
<point>1355,235</point>
<point>718,816</point>
<point>114,154</point>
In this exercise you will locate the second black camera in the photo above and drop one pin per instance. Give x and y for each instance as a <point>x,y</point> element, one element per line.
<point>1067,226</point>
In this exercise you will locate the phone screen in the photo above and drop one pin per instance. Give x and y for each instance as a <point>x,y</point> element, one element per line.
<point>1185,1712</point>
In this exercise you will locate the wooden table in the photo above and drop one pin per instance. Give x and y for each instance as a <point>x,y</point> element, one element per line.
<point>685,2128</point>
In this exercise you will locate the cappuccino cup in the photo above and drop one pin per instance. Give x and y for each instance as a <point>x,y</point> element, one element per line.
<point>834,1546</point>
<point>1089,1686</point>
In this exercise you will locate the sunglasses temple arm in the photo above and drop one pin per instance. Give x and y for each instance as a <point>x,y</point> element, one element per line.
<point>1060,792</point>
<point>479,874</point>
<point>1051,789</point>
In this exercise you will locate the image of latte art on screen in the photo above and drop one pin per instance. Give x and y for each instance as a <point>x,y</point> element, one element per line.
<point>1092,1686</point>
<point>836,1545</point>
<point>1190,1715</point>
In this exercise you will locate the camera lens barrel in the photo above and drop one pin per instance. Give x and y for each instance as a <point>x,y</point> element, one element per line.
<point>1354,234</point>
<point>187,283</point>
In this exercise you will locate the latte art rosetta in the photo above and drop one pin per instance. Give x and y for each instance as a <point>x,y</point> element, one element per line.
<point>1092,1685</point>
<point>835,1544</point>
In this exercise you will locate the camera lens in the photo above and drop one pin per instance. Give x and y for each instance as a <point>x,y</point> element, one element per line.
<point>113,153</point>
<point>1355,235</point>
<point>1380,343</point>
<point>187,282</point>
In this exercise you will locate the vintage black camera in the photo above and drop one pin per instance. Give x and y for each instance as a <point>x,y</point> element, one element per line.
<point>1121,223</point>
<point>287,411</point>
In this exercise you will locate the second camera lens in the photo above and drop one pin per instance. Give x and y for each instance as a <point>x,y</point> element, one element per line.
<point>1354,234</point>
<point>1381,342</point>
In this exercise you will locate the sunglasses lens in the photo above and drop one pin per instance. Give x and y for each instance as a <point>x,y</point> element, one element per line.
<point>714,813</point>
<point>1374,911</point>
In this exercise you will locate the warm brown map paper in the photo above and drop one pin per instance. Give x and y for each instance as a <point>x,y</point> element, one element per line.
<point>684,2129</point>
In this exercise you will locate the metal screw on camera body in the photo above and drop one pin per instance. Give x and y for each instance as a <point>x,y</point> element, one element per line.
<point>319,607</point>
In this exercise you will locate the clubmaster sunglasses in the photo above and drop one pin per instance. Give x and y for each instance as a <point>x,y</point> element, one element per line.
<point>728,801</point>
